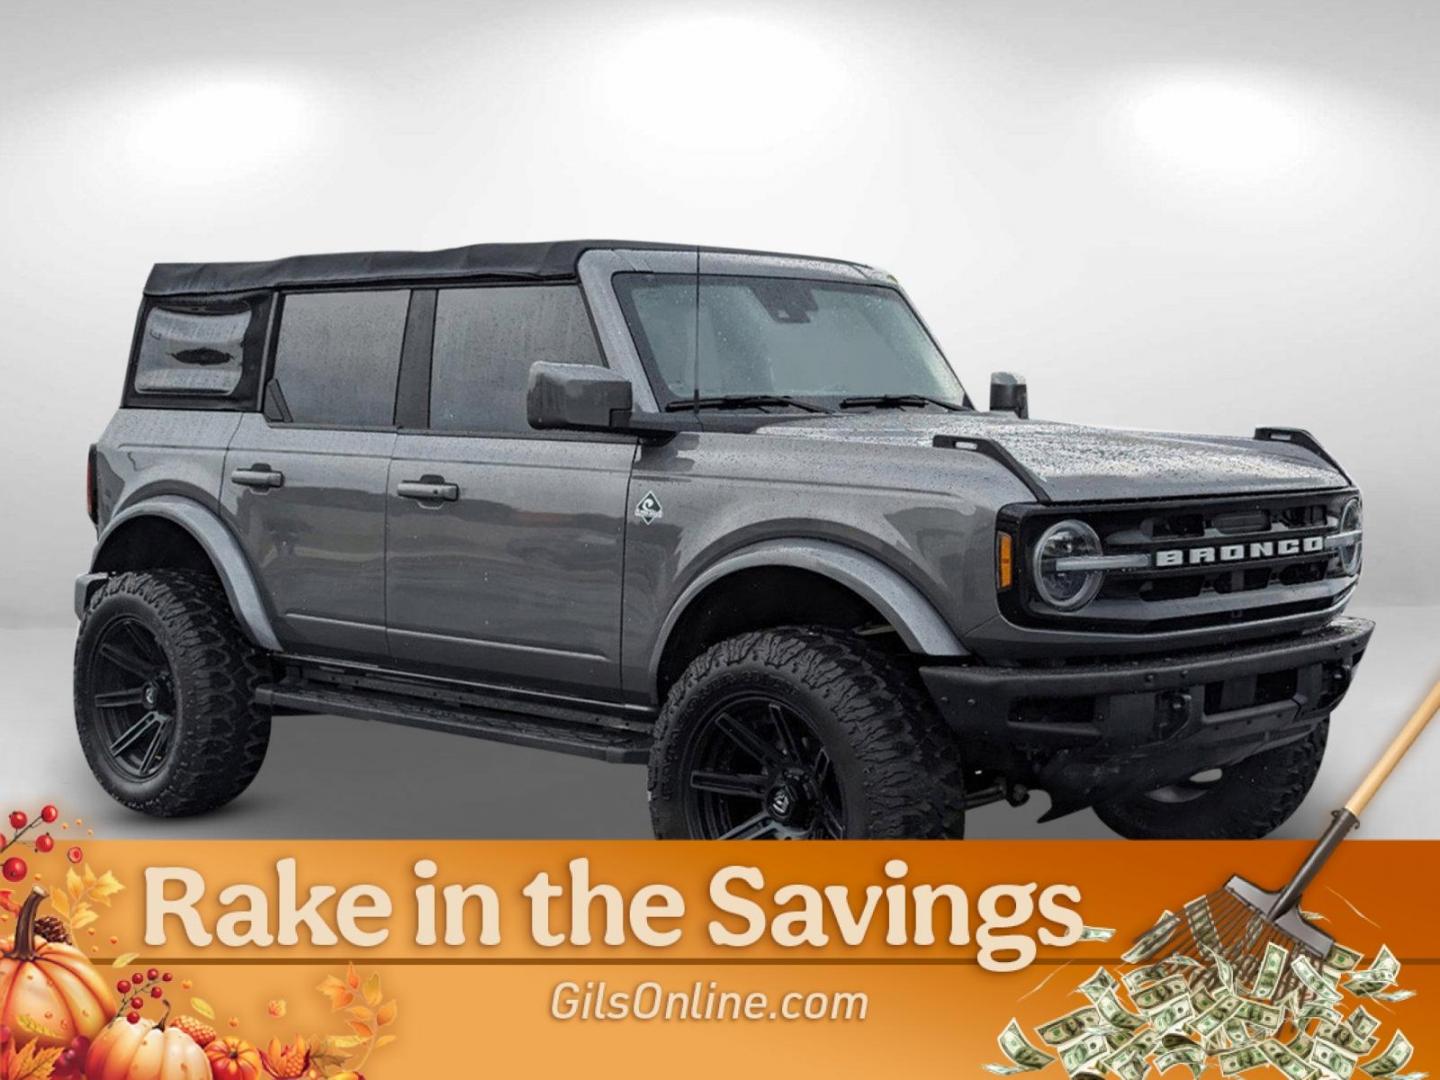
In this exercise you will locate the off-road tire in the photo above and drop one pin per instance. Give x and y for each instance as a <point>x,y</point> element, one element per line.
<point>897,764</point>
<point>1249,801</point>
<point>220,736</point>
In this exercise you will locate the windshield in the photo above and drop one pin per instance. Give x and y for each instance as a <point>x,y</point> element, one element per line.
<point>816,341</point>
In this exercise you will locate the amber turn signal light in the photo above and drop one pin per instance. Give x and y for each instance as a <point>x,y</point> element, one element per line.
<point>1004,560</point>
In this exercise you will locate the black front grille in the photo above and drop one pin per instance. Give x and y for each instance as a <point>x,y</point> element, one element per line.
<point>1203,563</point>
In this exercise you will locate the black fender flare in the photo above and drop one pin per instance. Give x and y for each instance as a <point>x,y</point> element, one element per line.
<point>219,545</point>
<point>903,606</point>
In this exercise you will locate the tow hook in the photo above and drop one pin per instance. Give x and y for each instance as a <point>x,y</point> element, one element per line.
<point>1172,713</point>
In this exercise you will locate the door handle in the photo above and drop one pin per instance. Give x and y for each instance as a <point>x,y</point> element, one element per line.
<point>258,476</point>
<point>428,489</point>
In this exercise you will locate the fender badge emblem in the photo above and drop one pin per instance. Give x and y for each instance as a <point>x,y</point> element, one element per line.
<point>649,509</point>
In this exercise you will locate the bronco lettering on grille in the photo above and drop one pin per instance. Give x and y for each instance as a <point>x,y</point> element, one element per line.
<point>1232,553</point>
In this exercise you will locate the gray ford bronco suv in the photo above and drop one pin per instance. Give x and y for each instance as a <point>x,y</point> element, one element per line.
<point>727,512</point>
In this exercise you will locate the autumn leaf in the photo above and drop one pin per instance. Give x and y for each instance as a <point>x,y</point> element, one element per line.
<point>82,891</point>
<point>103,890</point>
<point>35,1027</point>
<point>339,994</point>
<point>33,1063</point>
<point>364,1022</point>
<point>124,959</point>
<point>7,902</point>
<point>203,1007</point>
<point>372,990</point>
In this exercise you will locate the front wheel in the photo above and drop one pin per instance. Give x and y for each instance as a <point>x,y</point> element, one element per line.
<point>801,733</point>
<point>1245,801</point>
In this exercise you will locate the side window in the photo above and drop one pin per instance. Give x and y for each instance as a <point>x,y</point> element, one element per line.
<point>338,356</point>
<point>184,352</point>
<point>199,355</point>
<point>485,341</point>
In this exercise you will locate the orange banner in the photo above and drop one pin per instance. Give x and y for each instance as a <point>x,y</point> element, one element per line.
<point>878,997</point>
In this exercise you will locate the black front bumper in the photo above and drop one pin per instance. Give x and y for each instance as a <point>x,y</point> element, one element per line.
<point>1086,733</point>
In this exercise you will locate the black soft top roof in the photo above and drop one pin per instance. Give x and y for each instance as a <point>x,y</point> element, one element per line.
<point>536,261</point>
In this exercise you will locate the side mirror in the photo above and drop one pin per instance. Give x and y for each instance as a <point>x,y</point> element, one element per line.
<point>578,397</point>
<point>1008,393</point>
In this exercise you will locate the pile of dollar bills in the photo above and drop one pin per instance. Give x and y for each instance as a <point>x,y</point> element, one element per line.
<point>1195,1011</point>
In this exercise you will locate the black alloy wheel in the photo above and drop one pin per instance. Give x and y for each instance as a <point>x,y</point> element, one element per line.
<point>165,684</point>
<point>756,770</point>
<point>802,732</point>
<point>134,699</point>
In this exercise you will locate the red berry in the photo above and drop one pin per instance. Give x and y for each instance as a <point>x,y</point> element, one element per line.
<point>138,978</point>
<point>137,1003</point>
<point>152,974</point>
<point>123,986</point>
<point>133,1017</point>
<point>44,842</point>
<point>157,993</point>
<point>166,977</point>
<point>18,819</point>
<point>75,854</point>
<point>15,869</point>
<point>49,814</point>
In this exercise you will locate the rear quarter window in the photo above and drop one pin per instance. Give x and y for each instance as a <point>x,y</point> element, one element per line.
<point>199,355</point>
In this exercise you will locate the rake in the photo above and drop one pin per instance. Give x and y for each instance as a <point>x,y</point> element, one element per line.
<point>1240,920</point>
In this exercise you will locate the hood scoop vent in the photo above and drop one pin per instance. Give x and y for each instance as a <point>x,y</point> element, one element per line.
<point>995,452</point>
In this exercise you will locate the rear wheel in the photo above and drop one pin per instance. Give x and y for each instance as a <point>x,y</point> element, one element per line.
<point>801,733</point>
<point>1244,801</point>
<point>164,681</point>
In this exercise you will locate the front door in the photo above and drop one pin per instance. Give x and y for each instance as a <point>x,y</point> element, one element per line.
<point>305,487</point>
<point>505,555</point>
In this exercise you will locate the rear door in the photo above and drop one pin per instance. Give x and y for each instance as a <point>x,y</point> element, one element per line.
<point>305,481</point>
<point>506,544</point>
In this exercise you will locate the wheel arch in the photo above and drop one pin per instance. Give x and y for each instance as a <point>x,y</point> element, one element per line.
<point>171,530</point>
<point>846,572</point>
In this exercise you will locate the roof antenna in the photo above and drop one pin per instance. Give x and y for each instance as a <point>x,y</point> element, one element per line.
<point>695,378</point>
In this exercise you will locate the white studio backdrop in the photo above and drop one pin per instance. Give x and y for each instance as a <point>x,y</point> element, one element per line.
<point>1168,215</point>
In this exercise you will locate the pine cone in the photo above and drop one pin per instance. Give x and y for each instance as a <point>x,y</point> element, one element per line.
<point>52,929</point>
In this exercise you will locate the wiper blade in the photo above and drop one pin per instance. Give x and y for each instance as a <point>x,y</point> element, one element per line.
<point>897,401</point>
<point>741,401</point>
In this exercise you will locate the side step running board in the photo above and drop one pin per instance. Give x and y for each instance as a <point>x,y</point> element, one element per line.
<point>613,744</point>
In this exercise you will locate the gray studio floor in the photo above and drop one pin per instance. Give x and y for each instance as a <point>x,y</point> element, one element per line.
<point>327,777</point>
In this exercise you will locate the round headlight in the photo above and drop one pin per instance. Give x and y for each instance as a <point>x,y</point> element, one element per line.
<point>1066,589</point>
<point>1351,520</point>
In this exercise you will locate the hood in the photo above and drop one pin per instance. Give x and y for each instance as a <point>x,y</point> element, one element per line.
<point>1075,463</point>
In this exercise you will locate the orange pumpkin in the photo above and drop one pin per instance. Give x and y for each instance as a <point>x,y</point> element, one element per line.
<point>52,984</point>
<point>233,1059</point>
<point>145,1051</point>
